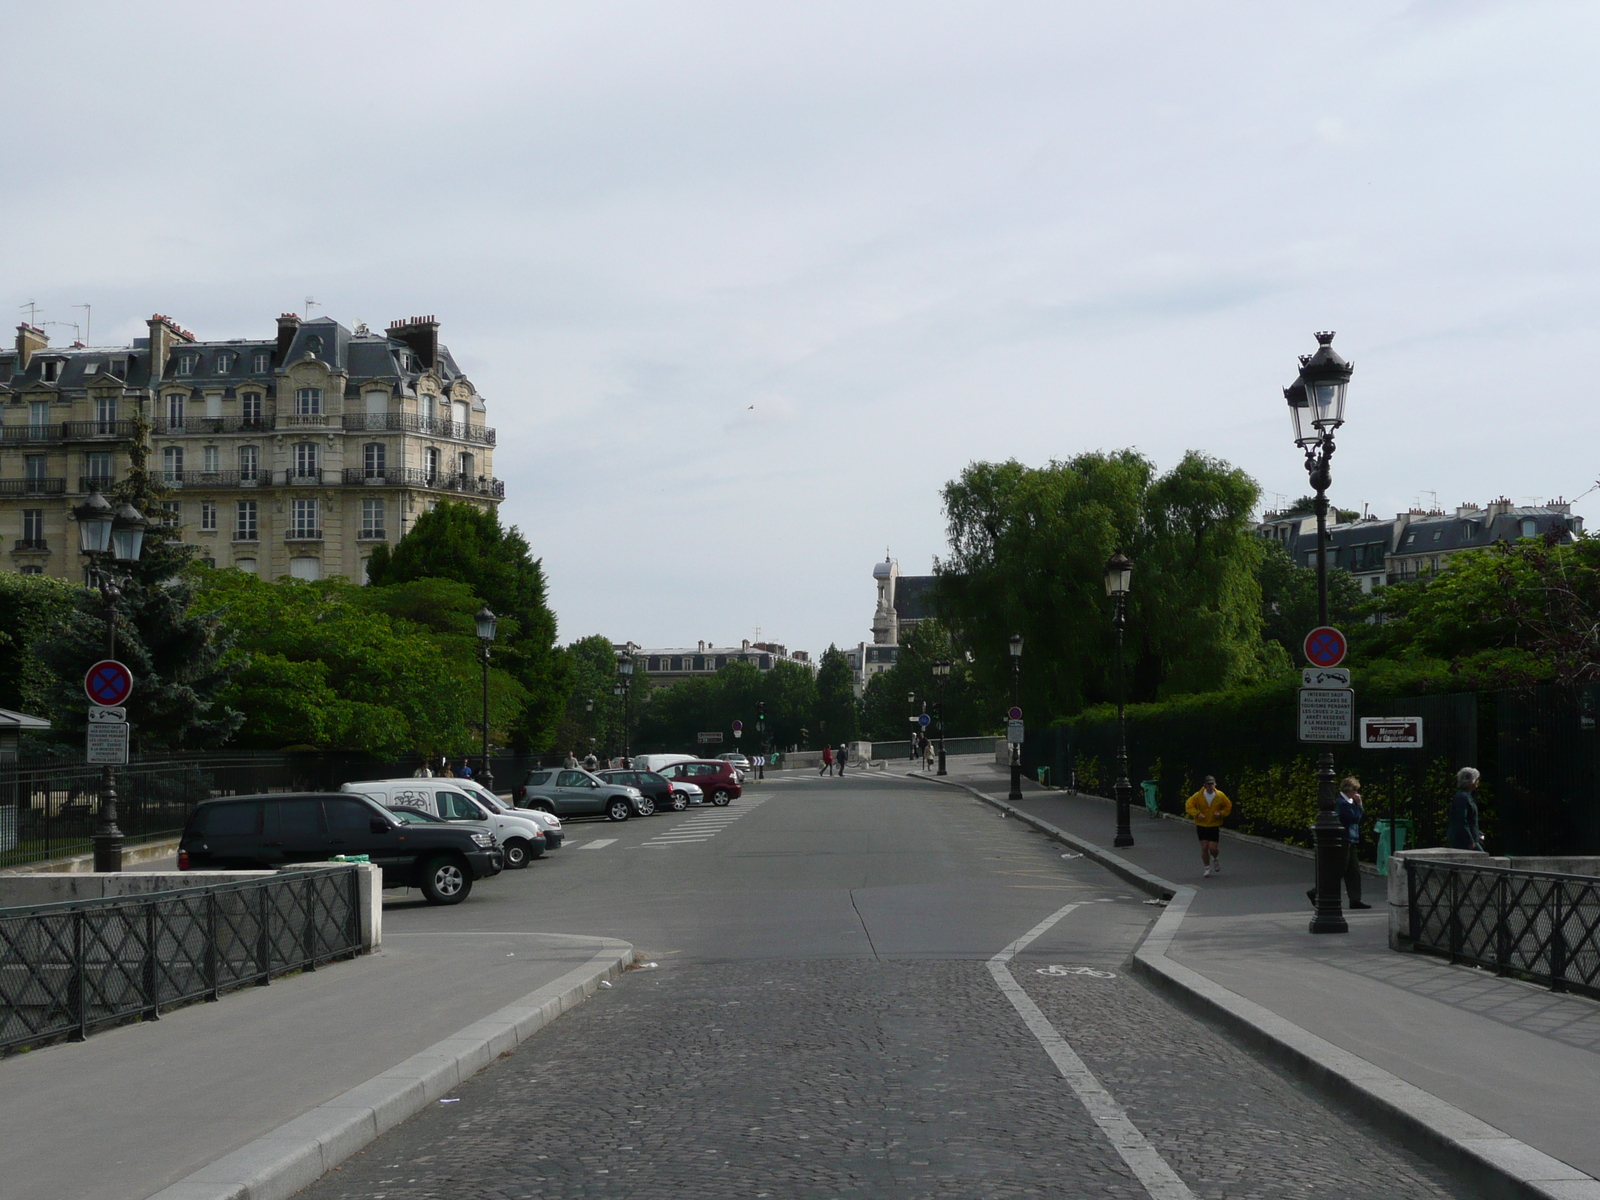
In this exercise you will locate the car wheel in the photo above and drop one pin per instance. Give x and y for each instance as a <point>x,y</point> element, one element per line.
<point>619,809</point>
<point>516,853</point>
<point>646,807</point>
<point>445,880</point>
<point>678,802</point>
<point>544,807</point>
<point>721,798</point>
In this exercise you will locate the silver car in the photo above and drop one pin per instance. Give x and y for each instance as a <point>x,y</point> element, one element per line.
<point>573,792</point>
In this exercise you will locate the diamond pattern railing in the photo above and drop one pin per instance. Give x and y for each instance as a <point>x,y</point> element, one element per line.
<point>1538,924</point>
<point>67,968</point>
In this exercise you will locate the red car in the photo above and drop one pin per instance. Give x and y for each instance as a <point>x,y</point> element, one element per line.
<point>715,778</point>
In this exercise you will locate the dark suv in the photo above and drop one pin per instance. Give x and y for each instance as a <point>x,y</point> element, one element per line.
<point>717,779</point>
<point>273,831</point>
<point>656,788</point>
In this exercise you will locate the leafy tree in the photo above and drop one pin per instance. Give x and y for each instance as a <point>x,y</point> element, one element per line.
<point>838,717</point>
<point>1028,548</point>
<point>1307,506</point>
<point>31,606</point>
<point>670,717</point>
<point>593,715</point>
<point>467,544</point>
<point>1289,604</point>
<point>969,709</point>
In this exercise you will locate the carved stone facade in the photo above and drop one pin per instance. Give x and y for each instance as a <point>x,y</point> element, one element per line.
<point>291,456</point>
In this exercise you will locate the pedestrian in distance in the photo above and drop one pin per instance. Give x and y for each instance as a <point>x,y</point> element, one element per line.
<point>466,769</point>
<point>1209,807</point>
<point>1462,833</point>
<point>571,761</point>
<point>590,762</point>
<point>843,757</point>
<point>927,755</point>
<point>449,772</point>
<point>827,761</point>
<point>423,772</point>
<point>1350,811</point>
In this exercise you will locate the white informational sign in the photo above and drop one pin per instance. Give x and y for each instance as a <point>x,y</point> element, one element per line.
<point>1014,732</point>
<point>107,743</point>
<point>1325,677</point>
<point>710,739</point>
<point>1391,733</point>
<point>1327,715</point>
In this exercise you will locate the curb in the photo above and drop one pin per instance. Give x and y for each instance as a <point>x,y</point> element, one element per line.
<point>1493,1162</point>
<point>79,864</point>
<point>295,1155</point>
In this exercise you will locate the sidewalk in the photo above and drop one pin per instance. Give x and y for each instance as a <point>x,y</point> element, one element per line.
<point>138,1108</point>
<point>1517,1056</point>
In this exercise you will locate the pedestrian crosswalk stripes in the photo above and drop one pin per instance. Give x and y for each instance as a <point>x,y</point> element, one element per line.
<point>703,826</point>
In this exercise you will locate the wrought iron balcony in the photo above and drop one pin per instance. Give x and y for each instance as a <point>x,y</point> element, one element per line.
<point>216,425</point>
<point>412,423</point>
<point>13,434</point>
<point>33,487</point>
<point>419,478</point>
<point>303,535</point>
<point>95,483</point>
<point>77,431</point>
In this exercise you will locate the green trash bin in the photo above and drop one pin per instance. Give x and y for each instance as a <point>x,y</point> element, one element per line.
<point>1392,838</point>
<point>1152,801</point>
<point>1044,776</point>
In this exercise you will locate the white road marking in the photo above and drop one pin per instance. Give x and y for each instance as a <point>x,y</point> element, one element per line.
<point>1159,1180</point>
<point>702,827</point>
<point>597,844</point>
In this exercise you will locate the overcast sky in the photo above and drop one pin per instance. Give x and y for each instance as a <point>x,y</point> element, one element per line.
<point>745,284</point>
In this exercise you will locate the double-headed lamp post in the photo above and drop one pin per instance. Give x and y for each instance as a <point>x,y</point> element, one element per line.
<point>941,672</point>
<point>107,535</point>
<point>486,627</point>
<point>1119,575</point>
<point>1016,685</point>
<point>624,679</point>
<point>911,702</point>
<point>1316,406</point>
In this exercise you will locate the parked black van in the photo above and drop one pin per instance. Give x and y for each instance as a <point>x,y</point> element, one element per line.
<point>253,832</point>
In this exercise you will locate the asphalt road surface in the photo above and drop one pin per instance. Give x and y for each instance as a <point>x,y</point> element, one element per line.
<point>868,987</point>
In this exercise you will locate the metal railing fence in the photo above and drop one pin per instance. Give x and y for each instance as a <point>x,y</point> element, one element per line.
<point>67,968</point>
<point>1539,924</point>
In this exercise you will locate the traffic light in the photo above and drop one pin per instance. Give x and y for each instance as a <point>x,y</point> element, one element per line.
<point>761,714</point>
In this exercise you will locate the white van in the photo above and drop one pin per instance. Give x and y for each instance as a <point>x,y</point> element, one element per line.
<point>659,762</point>
<point>548,822</point>
<point>520,837</point>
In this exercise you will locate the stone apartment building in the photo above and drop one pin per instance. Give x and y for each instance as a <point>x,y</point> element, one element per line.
<point>293,455</point>
<point>1378,551</point>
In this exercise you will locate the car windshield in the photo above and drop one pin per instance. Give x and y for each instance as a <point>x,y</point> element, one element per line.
<point>410,816</point>
<point>492,803</point>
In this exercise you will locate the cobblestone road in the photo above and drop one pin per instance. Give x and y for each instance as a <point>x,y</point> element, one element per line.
<point>865,1078</point>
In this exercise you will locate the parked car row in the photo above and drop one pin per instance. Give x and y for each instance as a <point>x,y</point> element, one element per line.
<point>437,835</point>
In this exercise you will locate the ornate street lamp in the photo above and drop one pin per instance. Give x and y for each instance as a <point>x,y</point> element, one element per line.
<point>1316,408</point>
<point>1016,747</point>
<point>487,622</point>
<point>1119,577</point>
<point>108,535</point>
<point>624,680</point>
<point>941,672</point>
<point>911,702</point>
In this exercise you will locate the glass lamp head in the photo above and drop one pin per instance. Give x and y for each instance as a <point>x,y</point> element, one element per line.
<point>487,622</point>
<point>1324,379</point>
<point>1016,645</point>
<point>1119,574</point>
<point>95,518</point>
<point>127,533</point>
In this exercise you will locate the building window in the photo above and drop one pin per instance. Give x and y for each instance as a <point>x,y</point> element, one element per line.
<point>34,465</point>
<point>304,521</point>
<point>430,464</point>
<point>244,522</point>
<point>377,409</point>
<point>33,528</point>
<point>305,567</point>
<point>308,402</point>
<point>224,363</point>
<point>51,370</point>
<point>30,569</point>
<point>105,414</point>
<point>211,460</point>
<point>464,466</point>
<point>263,361</point>
<point>248,460</point>
<point>39,418</point>
<point>459,411</point>
<point>305,460</point>
<point>372,519</point>
<point>699,662</point>
<point>97,466</point>
<point>250,410</point>
<point>247,565</point>
<point>1529,527</point>
<point>653,664</point>
<point>677,663</point>
<point>171,513</point>
<point>172,464</point>
<point>186,364</point>
<point>373,455</point>
<point>175,410</point>
<point>208,516</point>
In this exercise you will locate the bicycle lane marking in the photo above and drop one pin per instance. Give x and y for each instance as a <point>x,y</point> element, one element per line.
<point>1159,1180</point>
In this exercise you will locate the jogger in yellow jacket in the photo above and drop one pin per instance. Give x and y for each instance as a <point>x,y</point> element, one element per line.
<point>1209,807</point>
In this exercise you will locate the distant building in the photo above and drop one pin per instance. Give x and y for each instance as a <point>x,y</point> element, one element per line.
<point>1379,552</point>
<point>903,602</point>
<point>295,454</point>
<point>663,666</point>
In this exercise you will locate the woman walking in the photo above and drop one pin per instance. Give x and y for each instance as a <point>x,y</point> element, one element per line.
<point>827,761</point>
<point>1463,832</point>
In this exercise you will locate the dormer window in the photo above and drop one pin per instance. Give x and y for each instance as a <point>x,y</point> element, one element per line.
<point>186,364</point>
<point>1437,534</point>
<point>1529,527</point>
<point>50,370</point>
<point>263,361</point>
<point>1410,538</point>
<point>224,363</point>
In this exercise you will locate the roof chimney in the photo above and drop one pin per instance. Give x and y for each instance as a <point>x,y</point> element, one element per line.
<point>288,326</point>
<point>421,336</point>
<point>164,333</point>
<point>29,342</point>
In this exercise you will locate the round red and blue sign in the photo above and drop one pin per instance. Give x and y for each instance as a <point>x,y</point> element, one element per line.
<point>108,682</point>
<point>1325,646</point>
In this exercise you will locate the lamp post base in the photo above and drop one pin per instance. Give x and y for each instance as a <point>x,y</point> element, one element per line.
<point>941,770</point>
<point>1123,791</point>
<point>1016,776</point>
<point>1330,854</point>
<point>108,851</point>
